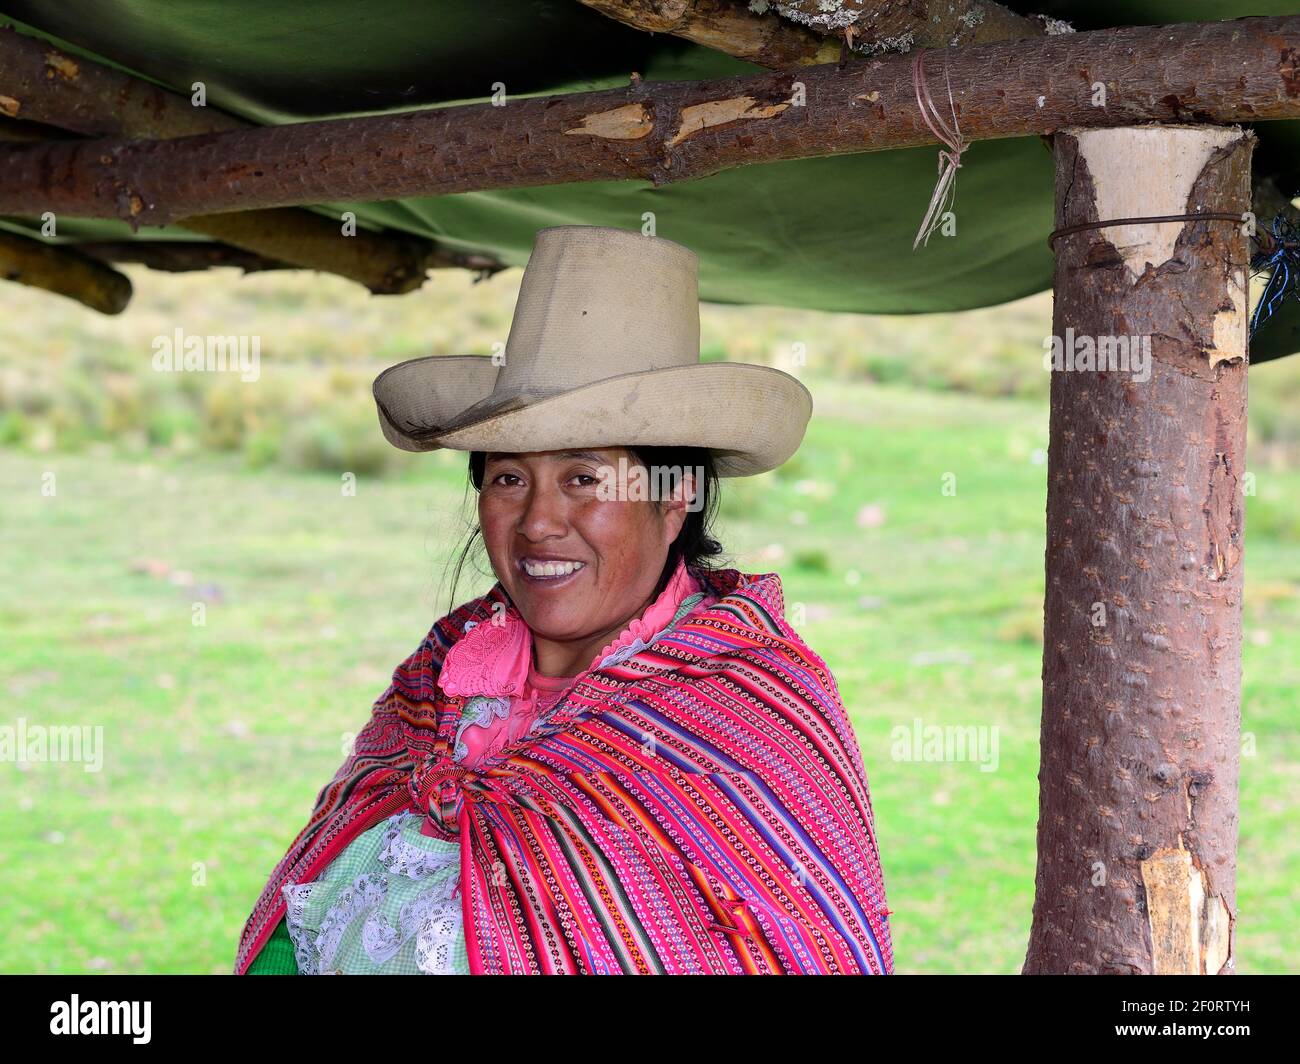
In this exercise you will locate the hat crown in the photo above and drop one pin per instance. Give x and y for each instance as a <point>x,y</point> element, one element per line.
<point>603,351</point>
<point>598,302</point>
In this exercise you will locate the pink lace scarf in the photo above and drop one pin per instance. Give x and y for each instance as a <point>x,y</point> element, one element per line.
<point>495,660</point>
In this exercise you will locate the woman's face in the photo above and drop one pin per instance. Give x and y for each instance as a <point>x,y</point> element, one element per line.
<point>577,563</point>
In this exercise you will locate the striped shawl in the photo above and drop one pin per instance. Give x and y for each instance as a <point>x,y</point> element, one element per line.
<point>701,807</point>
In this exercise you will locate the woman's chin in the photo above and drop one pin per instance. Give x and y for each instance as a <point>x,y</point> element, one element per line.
<point>555,625</point>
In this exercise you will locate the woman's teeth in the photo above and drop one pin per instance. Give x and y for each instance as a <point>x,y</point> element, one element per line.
<point>552,568</point>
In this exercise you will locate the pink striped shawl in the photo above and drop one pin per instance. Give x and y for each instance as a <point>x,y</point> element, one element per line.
<point>699,808</point>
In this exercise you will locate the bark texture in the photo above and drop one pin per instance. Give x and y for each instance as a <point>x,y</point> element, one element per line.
<point>1137,828</point>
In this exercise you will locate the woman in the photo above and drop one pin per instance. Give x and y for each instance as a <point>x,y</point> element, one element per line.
<point>620,759</point>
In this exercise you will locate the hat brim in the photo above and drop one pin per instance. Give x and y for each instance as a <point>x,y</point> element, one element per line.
<point>751,417</point>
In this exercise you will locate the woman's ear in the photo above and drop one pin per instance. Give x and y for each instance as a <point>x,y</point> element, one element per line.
<point>676,506</point>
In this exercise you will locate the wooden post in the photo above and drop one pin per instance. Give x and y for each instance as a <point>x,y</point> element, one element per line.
<point>1137,829</point>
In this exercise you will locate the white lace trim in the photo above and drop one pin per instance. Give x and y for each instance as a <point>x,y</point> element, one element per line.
<point>404,858</point>
<point>438,932</point>
<point>305,954</point>
<point>380,939</point>
<point>366,892</point>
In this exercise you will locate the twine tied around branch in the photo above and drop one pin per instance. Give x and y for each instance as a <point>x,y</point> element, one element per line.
<point>945,188</point>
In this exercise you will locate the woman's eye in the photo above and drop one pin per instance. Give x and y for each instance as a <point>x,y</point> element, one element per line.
<point>502,478</point>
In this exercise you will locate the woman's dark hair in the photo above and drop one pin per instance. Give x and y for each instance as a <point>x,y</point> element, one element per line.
<point>694,543</point>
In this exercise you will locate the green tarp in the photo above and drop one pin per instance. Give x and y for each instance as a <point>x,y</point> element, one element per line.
<point>829,234</point>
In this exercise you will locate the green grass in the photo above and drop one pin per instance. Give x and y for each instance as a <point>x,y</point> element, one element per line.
<point>218,737</point>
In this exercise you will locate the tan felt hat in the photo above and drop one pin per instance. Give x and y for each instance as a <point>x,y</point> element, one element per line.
<point>604,351</point>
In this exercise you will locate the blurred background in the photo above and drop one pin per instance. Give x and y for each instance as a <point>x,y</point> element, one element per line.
<point>175,490</point>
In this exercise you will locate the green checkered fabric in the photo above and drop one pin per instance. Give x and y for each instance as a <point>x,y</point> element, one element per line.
<point>384,906</point>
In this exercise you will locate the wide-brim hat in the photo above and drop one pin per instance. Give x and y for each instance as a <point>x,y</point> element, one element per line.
<point>603,351</point>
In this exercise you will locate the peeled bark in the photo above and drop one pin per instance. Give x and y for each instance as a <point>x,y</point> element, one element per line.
<point>1141,723</point>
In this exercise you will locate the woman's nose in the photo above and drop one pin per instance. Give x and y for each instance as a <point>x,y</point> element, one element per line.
<point>543,514</point>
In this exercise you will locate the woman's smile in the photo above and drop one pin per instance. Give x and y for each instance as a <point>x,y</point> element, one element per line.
<point>550,572</point>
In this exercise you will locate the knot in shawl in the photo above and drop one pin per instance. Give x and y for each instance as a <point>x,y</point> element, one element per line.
<point>439,788</point>
<point>700,807</point>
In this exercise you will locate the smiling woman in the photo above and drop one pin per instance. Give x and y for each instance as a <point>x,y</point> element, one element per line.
<point>566,522</point>
<point>620,759</point>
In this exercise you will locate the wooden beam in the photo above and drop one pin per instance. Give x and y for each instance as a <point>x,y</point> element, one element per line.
<point>64,271</point>
<point>1206,72</point>
<point>1137,827</point>
<point>40,84</point>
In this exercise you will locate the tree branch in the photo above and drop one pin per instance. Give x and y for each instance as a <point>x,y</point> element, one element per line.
<point>63,271</point>
<point>391,263</point>
<point>1244,70</point>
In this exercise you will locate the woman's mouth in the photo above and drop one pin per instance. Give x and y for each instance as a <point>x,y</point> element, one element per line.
<point>550,571</point>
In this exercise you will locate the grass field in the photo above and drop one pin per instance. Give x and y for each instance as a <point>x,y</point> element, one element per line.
<point>218,736</point>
